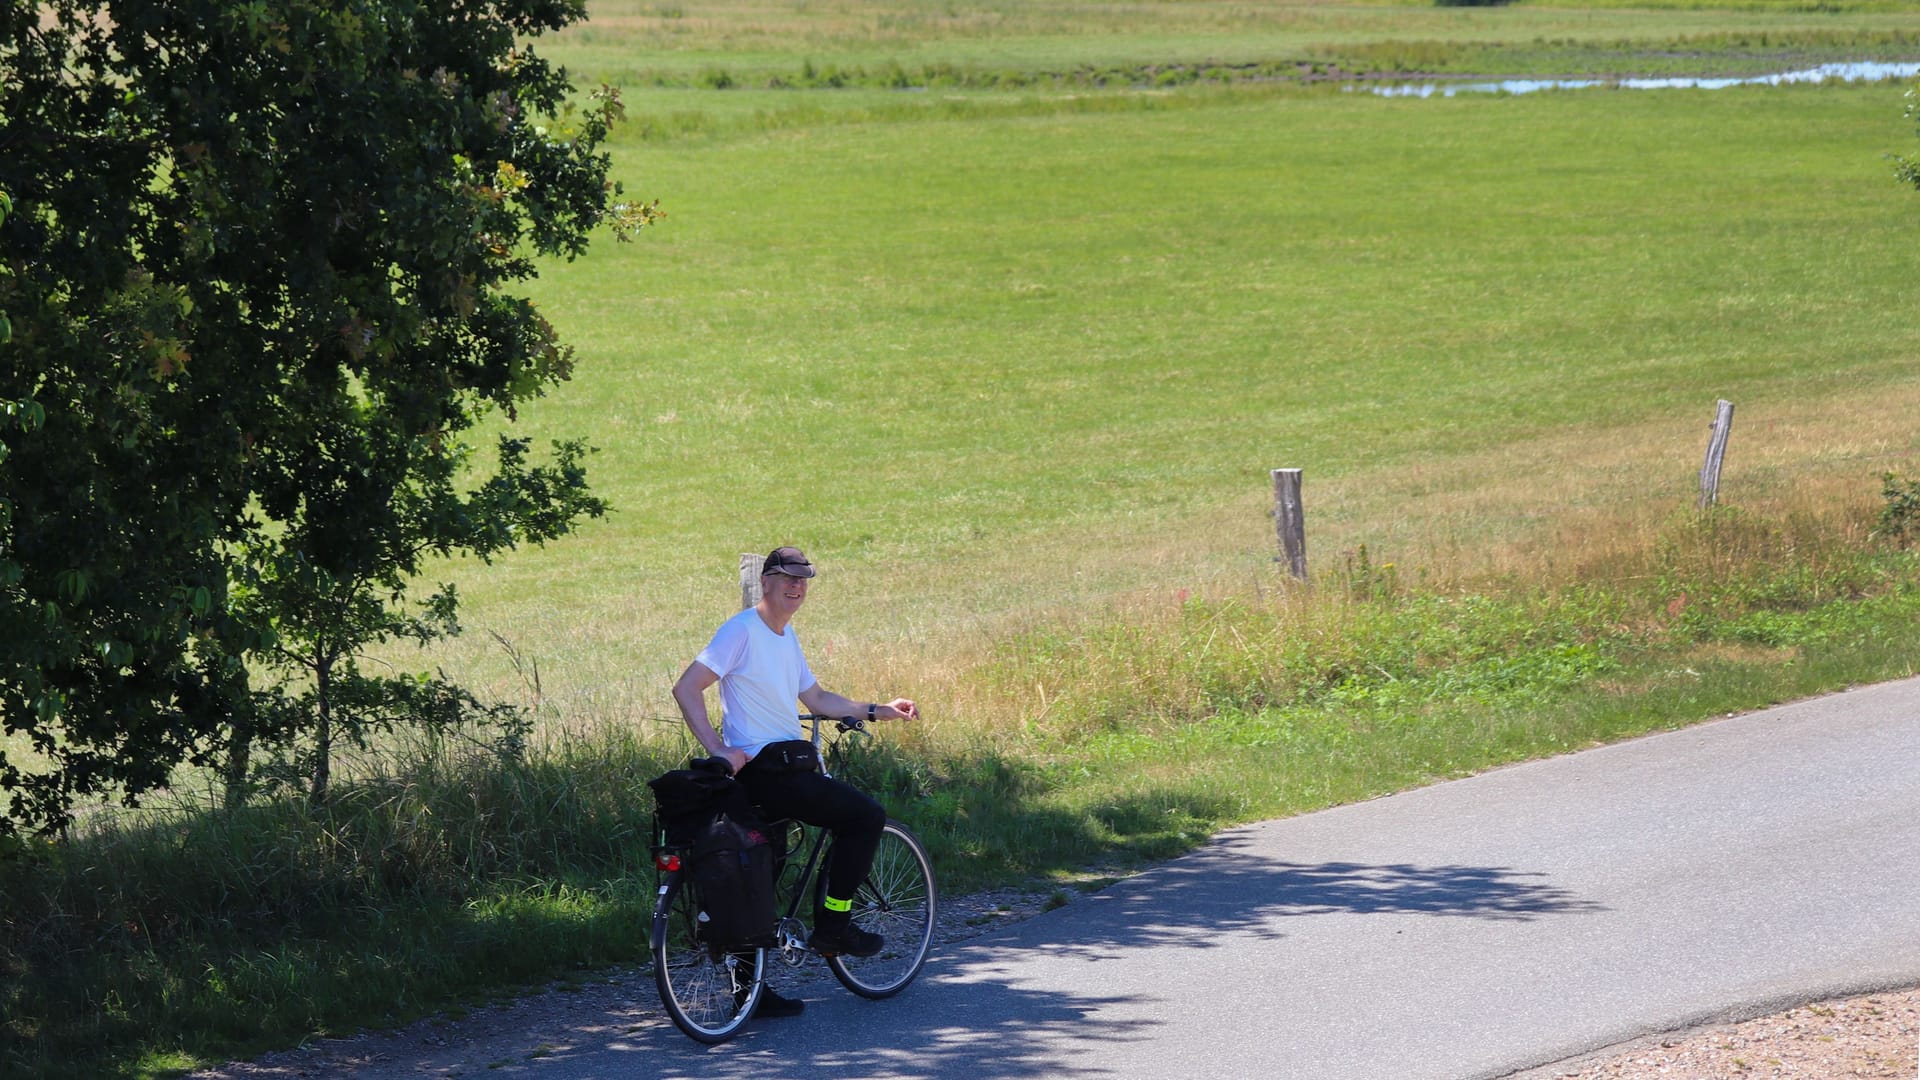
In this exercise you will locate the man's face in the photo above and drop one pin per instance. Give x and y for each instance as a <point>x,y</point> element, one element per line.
<point>784,593</point>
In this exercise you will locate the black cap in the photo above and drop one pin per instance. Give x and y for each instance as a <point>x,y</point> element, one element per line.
<point>789,561</point>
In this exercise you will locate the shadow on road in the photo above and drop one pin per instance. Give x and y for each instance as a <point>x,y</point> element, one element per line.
<point>940,1028</point>
<point>980,1011</point>
<point>1225,891</point>
<point>973,1017</point>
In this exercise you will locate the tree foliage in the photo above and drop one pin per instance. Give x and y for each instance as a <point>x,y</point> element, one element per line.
<point>256,270</point>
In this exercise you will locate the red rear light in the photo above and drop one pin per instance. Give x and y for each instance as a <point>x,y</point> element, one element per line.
<point>670,863</point>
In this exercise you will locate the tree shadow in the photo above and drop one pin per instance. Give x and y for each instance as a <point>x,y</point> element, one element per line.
<point>942,1029</point>
<point>999,1005</point>
<point>982,1009</point>
<point>1225,890</point>
<point>954,1021</point>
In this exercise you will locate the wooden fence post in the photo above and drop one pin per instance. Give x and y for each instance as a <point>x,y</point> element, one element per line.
<point>750,567</point>
<point>1290,521</point>
<point>1716,451</point>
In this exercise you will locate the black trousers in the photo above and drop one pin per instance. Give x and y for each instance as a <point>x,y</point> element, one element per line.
<point>852,817</point>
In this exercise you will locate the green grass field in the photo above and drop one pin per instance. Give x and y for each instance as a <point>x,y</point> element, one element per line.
<point>989,366</point>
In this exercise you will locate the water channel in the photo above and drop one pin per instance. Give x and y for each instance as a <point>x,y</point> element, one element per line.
<point>1865,71</point>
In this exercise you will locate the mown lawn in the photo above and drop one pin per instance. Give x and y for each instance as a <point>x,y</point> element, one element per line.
<point>990,365</point>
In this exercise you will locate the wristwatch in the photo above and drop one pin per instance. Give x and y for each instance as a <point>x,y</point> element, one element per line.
<point>870,707</point>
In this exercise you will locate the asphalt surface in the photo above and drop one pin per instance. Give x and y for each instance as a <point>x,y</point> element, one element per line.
<point>1473,929</point>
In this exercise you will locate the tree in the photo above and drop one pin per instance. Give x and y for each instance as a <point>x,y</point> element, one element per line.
<point>257,273</point>
<point>338,578</point>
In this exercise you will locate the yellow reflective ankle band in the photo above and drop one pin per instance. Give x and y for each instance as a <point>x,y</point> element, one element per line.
<point>839,905</point>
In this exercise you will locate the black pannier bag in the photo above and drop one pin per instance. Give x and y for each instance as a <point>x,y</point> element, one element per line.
<point>709,817</point>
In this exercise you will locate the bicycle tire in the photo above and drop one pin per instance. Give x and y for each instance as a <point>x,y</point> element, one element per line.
<point>897,901</point>
<point>699,983</point>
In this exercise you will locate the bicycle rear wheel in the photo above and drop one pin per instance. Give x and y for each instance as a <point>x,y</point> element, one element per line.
<point>708,992</point>
<point>897,902</point>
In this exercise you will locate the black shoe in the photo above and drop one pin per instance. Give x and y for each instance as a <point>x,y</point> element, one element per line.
<point>772,1006</point>
<point>844,940</point>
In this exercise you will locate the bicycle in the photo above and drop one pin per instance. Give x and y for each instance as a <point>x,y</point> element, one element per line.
<point>710,992</point>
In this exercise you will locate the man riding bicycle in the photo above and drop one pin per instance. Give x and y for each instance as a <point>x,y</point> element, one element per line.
<point>756,659</point>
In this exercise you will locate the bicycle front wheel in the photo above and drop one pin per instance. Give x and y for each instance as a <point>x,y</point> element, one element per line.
<point>708,992</point>
<point>896,901</point>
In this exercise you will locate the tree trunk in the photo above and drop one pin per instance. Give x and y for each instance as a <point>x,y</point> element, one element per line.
<point>239,759</point>
<point>323,732</point>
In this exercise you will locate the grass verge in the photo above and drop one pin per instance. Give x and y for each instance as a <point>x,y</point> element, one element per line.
<point>456,871</point>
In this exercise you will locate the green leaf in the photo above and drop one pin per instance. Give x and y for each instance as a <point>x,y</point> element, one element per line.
<point>73,584</point>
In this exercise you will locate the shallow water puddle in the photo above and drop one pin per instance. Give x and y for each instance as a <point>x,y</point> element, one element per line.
<point>1864,71</point>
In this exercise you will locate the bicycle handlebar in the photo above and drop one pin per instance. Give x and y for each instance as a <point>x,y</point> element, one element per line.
<point>845,723</point>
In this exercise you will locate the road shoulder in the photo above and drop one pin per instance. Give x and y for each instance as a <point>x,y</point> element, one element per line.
<point>1872,1036</point>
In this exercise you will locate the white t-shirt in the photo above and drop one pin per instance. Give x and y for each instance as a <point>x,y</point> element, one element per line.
<point>761,676</point>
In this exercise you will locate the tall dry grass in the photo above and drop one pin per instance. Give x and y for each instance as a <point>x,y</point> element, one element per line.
<point>1612,509</point>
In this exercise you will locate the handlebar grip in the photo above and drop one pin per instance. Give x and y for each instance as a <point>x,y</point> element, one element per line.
<point>844,723</point>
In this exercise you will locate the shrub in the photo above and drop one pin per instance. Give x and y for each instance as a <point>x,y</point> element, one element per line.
<point>1900,517</point>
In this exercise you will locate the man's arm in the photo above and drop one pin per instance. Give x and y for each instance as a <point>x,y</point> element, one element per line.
<point>827,703</point>
<point>690,693</point>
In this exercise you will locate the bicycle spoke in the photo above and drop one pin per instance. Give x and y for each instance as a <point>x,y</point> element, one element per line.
<point>895,901</point>
<point>708,994</point>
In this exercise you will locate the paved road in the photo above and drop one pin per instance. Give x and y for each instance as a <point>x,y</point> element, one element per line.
<point>1472,929</point>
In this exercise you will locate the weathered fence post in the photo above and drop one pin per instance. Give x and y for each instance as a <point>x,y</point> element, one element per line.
<point>750,567</point>
<point>1716,451</point>
<point>1290,521</point>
